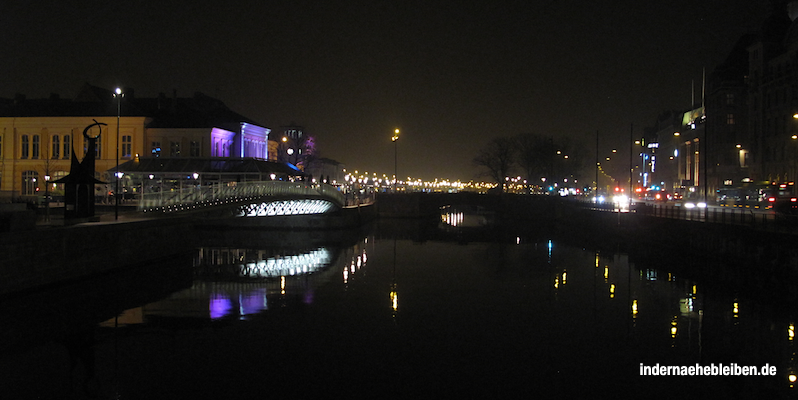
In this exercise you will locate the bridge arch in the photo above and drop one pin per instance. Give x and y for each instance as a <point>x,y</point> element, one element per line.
<point>253,187</point>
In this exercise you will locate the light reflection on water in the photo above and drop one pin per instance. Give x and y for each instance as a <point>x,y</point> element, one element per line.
<point>514,315</point>
<point>239,283</point>
<point>591,300</point>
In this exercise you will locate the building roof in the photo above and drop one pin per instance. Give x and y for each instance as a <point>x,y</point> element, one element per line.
<point>232,166</point>
<point>198,111</point>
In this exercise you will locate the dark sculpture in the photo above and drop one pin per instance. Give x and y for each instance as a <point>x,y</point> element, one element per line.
<point>79,184</point>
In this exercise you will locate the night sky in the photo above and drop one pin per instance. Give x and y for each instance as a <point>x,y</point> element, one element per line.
<point>451,77</point>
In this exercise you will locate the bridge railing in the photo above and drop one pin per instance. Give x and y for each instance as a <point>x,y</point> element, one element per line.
<point>190,195</point>
<point>765,220</point>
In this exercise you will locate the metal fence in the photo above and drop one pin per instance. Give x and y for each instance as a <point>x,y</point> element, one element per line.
<point>233,191</point>
<point>758,219</point>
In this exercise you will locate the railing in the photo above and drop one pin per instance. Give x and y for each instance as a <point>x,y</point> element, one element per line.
<point>208,194</point>
<point>757,219</point>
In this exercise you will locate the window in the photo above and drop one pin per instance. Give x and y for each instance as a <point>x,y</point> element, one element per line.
<point>127,146</point>
<point>35,152</point>
<point>67,146</point>
<point>156,149</point>
<point>25,147</point>
<point>195,149</point>
<point>58,187</point>
<point>730,99</point>
<point>97,147</point>
<point>56,147</point>
<point>729,119</point>
<point>29,182</point>
<point>174,149</point>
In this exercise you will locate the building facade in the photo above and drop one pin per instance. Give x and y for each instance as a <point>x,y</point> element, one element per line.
<point>38,137</point>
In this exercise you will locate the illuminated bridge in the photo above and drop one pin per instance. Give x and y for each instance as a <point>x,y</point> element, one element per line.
<point>250,199</point>
<point>240,187</point>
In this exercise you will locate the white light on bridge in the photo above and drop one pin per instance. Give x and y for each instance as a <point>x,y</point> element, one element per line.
<point>287,207</point>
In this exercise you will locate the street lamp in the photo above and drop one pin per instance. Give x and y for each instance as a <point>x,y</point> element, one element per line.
<point>47,198</point>
<point>118,95</point>
<point>395,139</point>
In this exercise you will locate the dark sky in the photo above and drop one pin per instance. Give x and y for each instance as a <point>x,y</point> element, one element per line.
<point>451,76</point>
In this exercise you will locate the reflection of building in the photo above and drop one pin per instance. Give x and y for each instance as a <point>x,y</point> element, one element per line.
<point>37,137</point>
<point>238,283</point>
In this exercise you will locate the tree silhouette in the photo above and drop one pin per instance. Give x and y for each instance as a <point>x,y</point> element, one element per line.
<point>497,158</point>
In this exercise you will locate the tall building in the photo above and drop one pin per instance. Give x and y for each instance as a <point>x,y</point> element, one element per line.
<point>773,98</point>
<point>729,142</point>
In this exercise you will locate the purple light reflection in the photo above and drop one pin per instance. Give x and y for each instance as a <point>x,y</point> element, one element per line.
<point>308,296</point>
<point>253,302</point>
<point>220,305</point>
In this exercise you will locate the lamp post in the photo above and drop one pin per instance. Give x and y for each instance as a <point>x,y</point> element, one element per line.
<point>47,198</point>
<point>395,139</point>
<point>118,95</point>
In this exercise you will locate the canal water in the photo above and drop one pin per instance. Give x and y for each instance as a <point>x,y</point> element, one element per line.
<point>402,309</point>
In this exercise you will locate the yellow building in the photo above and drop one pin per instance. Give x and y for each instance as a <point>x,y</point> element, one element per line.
<point>38,137</point>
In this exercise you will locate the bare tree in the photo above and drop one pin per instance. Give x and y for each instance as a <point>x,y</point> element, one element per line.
<point>536,156</point>
<point>543,157</point>
<point>497,159</point>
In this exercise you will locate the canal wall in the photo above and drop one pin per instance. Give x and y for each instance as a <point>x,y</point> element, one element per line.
<point>576,222</point>
<point>36,258</point>
<point>634,232</point>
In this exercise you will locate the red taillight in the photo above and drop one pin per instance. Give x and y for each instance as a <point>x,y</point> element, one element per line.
<point>772,199</point>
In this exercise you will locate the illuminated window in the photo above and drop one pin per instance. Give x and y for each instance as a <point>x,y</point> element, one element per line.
<point>29,182</point>
<point>729,119</point>
<point>56,176</point>
<point>25,147</point>
<point>56,144</point>
<point>174,149</point>
<point>156,149</point>
<point>127,146</point>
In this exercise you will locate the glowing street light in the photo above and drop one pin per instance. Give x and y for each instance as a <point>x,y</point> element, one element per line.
<point>118,95</point>
<point>395,139</point>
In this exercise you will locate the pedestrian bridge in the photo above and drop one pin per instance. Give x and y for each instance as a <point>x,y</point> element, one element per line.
<point>246,199</point>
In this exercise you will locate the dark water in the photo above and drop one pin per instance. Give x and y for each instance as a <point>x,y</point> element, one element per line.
<point>397,311</point>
